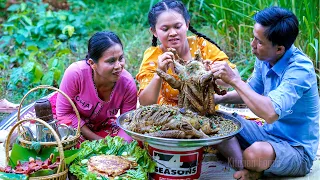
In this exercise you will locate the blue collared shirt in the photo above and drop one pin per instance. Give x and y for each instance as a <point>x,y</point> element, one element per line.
<point>291,84</point>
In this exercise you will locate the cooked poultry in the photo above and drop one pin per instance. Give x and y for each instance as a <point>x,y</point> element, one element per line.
<point>196,85</point>
<point>170,122</point>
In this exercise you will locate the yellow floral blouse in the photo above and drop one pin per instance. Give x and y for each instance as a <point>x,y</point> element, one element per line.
<point>168,95</point>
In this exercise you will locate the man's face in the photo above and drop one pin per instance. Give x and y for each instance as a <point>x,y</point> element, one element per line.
<point>262,48</point>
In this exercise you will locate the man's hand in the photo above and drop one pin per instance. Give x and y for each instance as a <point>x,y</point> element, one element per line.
<point>207,64</point>
<point>221,70</point>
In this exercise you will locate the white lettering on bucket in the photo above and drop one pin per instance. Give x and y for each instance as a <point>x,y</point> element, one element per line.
<point>176,163</point>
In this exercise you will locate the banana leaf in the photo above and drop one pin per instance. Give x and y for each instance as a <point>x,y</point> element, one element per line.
<point>43,172</point>
<point>22,154</point>
<point>69,155</point>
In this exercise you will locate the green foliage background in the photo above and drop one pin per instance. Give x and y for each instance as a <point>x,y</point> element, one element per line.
<point>38,43</point>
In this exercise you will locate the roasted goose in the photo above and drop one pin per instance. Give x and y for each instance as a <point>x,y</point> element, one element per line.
<point>196,85</point>
<point>170,122</point>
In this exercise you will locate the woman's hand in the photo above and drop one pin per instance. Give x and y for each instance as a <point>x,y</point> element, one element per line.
<point>88,134</point>
<point>164,60</point>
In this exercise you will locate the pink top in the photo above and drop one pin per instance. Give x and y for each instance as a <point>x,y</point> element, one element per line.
<point>78,84</point>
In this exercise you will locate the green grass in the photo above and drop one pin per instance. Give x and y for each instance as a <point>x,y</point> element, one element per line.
<point>232,19</point>
<point>228,22</point>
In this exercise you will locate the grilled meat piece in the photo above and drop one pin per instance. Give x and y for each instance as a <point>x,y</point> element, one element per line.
<point>109,165</point>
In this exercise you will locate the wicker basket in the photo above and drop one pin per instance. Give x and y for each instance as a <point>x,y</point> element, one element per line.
<point>68,143</point>
<point>62,171</point>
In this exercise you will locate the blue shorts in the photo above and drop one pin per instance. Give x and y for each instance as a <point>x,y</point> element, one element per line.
<point>290,160</point>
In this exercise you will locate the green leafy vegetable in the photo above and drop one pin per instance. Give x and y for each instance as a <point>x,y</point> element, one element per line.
<point>113,146</point>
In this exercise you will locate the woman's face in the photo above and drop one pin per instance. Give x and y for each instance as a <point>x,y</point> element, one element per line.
<point>171,29</point>
<point>110,64</point>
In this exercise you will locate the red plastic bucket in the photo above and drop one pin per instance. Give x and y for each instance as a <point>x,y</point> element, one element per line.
<point>176,162</point>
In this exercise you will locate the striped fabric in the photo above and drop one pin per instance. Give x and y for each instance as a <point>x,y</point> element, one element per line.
<point>25,112</point>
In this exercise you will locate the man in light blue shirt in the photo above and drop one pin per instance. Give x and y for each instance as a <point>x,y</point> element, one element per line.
<point>283,91</point>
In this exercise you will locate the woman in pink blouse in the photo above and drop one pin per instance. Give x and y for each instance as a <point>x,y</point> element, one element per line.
<point>100,87</point>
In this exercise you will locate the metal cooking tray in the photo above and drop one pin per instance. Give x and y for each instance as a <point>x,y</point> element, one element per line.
<point>180,142</point>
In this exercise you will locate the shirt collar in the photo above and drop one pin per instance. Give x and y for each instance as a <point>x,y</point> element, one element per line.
<point>280,66</point>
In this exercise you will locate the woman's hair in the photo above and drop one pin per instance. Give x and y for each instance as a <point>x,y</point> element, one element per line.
<point>176,6</point>
<point>99,43</point>
<point>282,26</point>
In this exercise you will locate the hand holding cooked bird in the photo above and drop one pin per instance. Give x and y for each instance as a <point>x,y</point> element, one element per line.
<point>196,85</point>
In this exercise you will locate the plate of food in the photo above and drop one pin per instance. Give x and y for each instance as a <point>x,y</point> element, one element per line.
<point>172,126</point>
<point>111,158</point>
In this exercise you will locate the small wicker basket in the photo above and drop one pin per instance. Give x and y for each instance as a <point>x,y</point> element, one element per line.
<point>62,171</point>
<point>68,143</point>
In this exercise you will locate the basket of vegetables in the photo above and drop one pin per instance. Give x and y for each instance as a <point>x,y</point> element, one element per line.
<point>67,143</point>
<point>35,168</point>
<point>111,158</point>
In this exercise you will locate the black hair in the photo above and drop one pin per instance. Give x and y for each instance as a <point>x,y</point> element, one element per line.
<point>178,7</point>
<point>282,25</point>
<point>100,42</point>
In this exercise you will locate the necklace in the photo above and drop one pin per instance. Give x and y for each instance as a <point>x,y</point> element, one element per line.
<point>94,84</point>
<point>97,93</point>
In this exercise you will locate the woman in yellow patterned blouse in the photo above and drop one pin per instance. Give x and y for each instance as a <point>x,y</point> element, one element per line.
<point>169,22</point>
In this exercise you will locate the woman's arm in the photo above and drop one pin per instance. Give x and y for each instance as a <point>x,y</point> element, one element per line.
<point>150,94</point>
<point>88,134</point>
<point>70,85</point>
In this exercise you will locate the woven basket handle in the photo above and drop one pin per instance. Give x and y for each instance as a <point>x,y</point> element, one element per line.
<point>55,89</point>
<point>60,147</point>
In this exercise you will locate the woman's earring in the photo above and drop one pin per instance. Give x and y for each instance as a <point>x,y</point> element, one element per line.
<point>91,63</point>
